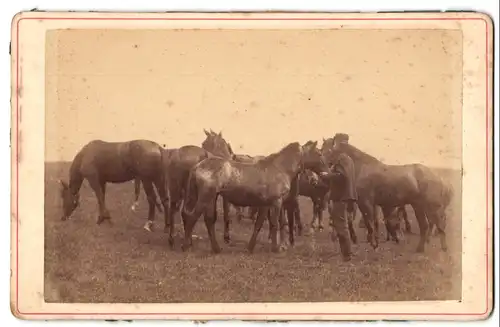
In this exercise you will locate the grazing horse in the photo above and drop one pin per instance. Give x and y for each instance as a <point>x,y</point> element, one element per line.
<point>315,188</point>
<point>101,162</point>
<point>390,186</point>
<point>401,213</point>
<point>177,163</point>
<point>266,184</point>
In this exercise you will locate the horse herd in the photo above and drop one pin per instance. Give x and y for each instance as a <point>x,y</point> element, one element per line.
<point>190,179</point>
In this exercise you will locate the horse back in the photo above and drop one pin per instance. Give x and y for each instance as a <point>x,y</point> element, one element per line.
<point>121,161</point>
<point>437,190</point>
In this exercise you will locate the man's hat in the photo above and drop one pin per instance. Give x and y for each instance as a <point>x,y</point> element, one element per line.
<point>341,138</point>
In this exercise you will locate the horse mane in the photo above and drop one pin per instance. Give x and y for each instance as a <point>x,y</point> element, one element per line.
<point>357,154</point>
<point>229,147</point>
<point>309,143</point>
<point>288,148</point>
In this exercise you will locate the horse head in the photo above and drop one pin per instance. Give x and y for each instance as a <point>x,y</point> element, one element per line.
<point>216,144</point>
<point>313,159</point>
<point>70,200</point>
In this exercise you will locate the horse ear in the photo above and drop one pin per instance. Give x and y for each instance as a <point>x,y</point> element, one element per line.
<point>206,132</point>
<point>220,134</point>
<point>315,143</point>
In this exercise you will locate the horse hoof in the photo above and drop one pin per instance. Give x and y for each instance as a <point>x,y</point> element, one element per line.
<point>64,218</point>
<point>217,250</point>
<point>148,226</point>
<point>171,242</point>
<point>420,249</point>
<point>321,228</point>
<point>227,239</point>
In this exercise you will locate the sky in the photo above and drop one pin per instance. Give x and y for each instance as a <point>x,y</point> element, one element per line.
<point>397,93</point>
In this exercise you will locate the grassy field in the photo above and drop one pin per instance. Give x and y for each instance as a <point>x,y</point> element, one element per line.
<point>124,263</point>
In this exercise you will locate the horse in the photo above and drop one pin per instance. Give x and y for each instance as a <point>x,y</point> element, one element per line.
<point>390,186</point>
<point>315,188</point>
<point>266,184</point>
<point>177,163</point>
<point>217,145</point>
<point>101,162</point>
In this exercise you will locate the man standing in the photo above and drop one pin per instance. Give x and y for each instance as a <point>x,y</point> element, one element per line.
<point>342,196</point>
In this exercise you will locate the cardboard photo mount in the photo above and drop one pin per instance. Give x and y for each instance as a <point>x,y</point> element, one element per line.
<point>30,31</point>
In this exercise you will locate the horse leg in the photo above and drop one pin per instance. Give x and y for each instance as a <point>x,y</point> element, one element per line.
<point>422,224</point>
<point>99,190</point>
<point>282,227</point>
<point>290,213</point>
<point>297,216</point>
<point>313,222</point>
<point>407,222</point>
<point>239,212</point>
<point>440,223</point>
<point>368,212</point>
<point>273,222</point>
<point>191,219</point>
<point>352,232</point>
<point>253,213</point>
<point>321,208</point>
<point>388,213</point>
<point>164,193</point>
<point>263,211</point>
<point>150,193</point>
<point>210,219</point>
<point>137,190</point>
<point>227,220</point>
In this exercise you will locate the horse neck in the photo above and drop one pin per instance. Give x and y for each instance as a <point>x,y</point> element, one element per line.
<point>219,153</point>
<point>75,176</point>
<point>289,165</point>
<point>359,157</point>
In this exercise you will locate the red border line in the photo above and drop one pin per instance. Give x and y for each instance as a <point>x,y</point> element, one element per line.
<point>254,313</point>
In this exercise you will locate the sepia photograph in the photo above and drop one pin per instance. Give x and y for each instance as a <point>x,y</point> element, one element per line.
<point>265,165</point>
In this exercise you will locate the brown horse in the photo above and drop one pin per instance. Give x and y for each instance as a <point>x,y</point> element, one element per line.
<point>217,145</point>
<point>177,163</point>
<point>266,184</point>
<point>391,186</point>
<point>101,162</point>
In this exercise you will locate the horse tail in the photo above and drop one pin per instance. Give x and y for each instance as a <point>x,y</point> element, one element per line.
<point>164,179</point>
<point>190,194</point>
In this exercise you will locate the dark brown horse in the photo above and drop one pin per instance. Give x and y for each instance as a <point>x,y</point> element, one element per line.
<point>177,163</point>
<point>101,162</point>
<point>266,184</point>
<point>391,186</point>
